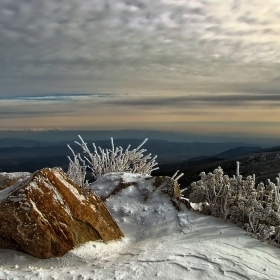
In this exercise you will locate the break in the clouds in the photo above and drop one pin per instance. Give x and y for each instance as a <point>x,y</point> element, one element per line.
<point>200,55</point>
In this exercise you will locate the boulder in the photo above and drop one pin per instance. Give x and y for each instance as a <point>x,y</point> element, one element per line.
<point>47,214</point>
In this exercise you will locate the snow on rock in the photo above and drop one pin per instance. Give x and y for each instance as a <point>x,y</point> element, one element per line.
<point>46,215</point>
<point>140,187</point>
<point>139,201</point>
<point>9,179</point>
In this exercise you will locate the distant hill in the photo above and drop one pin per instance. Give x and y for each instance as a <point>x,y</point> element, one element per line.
<point>239,151</point>
<point>13,142</point>
<point>273,149</point>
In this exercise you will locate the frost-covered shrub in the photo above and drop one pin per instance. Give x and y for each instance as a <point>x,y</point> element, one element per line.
<point>213,191</point>
<point>255,208</point>
<point>103,161</point>
<point>77,170</point>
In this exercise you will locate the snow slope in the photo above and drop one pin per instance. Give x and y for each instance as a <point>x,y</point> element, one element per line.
<point>160,243</point>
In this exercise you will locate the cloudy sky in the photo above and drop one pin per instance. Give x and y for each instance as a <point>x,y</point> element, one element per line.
<point>185,65</point>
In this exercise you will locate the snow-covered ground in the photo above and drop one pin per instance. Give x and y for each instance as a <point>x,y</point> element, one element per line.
<point>160,243</point>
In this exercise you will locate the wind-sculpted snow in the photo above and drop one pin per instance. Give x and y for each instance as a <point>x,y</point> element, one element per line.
<point>160,243</point>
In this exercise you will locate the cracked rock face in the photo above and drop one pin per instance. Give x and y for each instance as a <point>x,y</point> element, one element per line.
<point>46,215</point>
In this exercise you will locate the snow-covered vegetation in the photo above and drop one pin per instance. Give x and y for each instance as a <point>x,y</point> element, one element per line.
<point>254,208</point>
<point>160,243</point>
<point>112,160</point>
<point>102,161</point>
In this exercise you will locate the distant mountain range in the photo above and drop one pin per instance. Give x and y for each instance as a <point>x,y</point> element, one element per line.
<point>234,152</point>
<point>14,142</point>
<point>31,155</point>
<point>189,158</point>
<point>173,136</point>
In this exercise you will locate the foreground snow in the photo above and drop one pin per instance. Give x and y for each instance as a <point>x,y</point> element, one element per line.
<point>160,243</point>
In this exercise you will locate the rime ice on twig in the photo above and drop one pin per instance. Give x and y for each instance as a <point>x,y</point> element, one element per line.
<point>176,177</point>
<point>237,168</point>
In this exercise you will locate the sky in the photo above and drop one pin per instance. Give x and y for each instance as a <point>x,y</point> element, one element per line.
<point>203,66</point>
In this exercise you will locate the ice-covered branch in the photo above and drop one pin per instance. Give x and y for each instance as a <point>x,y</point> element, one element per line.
<point>237,168</point>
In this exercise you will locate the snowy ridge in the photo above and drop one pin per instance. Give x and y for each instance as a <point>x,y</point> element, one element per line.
<point>160,243</point>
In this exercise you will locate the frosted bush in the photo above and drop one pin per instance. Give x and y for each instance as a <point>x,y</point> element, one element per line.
<point>102,161</point>
<point>77,170</point>
<point>256,209</point>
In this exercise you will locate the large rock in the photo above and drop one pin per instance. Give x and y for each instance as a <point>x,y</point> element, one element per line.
<point>47,215</point>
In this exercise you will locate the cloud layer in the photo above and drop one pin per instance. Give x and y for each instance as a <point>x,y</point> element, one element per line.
<point>199,55</point>
<point>103,41</point>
